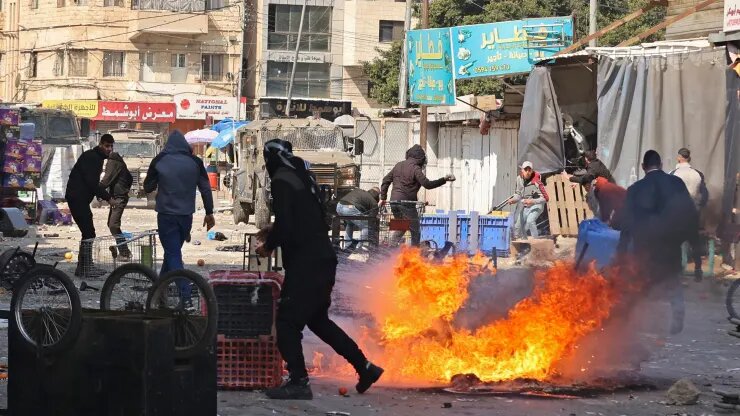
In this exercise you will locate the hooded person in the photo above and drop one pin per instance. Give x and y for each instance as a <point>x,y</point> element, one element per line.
<point>83,186</point>
<point>175,174</point>
<point>310,268</point>
<point>407,177</point>
<point>117,181</point>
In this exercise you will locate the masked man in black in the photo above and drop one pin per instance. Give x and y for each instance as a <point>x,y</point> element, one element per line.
<point>310,268</point>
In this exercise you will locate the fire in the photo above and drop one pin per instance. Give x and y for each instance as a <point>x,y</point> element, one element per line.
<point>421,345</point>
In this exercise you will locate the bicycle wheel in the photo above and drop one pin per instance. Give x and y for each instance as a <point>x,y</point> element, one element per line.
<point>189,300</point>
<point>126,289</point>
<point>733,299</point>
<point>46,308</point>
<point>14,263</point>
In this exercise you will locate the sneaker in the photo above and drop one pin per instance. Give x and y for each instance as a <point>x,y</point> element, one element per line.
<point>292,390</point>
<point>368,377</point>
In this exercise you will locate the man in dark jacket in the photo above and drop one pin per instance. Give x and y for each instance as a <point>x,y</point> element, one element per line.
<point>595,168</point>
<point>358,202</point>
<point>658,216</point>
<point>117,181</point>
<point>310,268</point>
<point>82,187</point>
<point>407,178</point>
<point>175,174</point>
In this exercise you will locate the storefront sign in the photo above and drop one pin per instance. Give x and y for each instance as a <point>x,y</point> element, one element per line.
<point>732,16</point>
<point>505,48</point>
<point>136,111</point>
<point>303,57</point>
<point>195,106</point>
<point>328,110</point>
<point>430,67</point>
<point>81,108</point>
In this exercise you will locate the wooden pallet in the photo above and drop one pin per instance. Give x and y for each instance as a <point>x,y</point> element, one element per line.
<point>567,206</point>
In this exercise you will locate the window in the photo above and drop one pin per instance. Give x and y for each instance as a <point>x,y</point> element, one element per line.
<point>215,4</point>
<point>284,21</point>
<point>77,63</point>
<point>146,67</point>
<point>59,64</point>
<point>33,62</point>
<point>113,3</point>
<point>212,67</point>
<point>179,68</point>
<point>390,30</point>
<point>113,63</point>
<point>80,2</point>
<point>62,127</point>
<point>311,80</point>
<point>34,4</point>
<point>60,3</point>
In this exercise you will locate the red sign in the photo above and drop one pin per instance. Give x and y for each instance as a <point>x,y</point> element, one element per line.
<point>136,111</point>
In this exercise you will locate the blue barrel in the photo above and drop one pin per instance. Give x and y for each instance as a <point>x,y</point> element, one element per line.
<point>602,242</point>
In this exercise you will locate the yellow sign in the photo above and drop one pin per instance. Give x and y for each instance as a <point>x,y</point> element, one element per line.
<point>82,108</point>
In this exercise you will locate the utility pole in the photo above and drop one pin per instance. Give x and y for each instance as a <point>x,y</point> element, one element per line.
<point>295,59</point>
<point>593,9</point>
<point>403,82</point>
<point>423,121</point>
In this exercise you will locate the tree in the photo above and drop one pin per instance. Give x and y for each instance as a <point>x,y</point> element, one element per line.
<point>383,71</point>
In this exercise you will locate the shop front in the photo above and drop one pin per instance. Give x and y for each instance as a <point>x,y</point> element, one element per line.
<point>151,116</point>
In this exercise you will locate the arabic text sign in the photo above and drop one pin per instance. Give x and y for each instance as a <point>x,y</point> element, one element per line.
<point>505,48</point>
<point>136,111</point>
<point>732,16</point>
<point>81,108</point>
<point>430,67</point>
<point>195,106</point>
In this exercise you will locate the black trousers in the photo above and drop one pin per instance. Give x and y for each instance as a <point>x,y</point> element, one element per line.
<point>115,213</point>
<point>305,301</point>
<point>82,214</point>
<point>407,212</point>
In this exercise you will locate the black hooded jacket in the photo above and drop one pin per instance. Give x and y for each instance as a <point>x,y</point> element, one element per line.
<point>117,180</point>
<point>408,177</point>
<point>84,180</point>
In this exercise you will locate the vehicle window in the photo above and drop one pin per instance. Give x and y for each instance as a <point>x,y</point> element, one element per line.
<point>62,127</point>
<point>37,120</point>
<point>135,149</point>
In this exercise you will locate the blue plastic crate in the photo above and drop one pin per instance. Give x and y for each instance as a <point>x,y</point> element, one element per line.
<point>602,242</point>
<point>494,233</point>
<point>436,227</point>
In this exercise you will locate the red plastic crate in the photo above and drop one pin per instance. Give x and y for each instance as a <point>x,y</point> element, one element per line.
<point>247,302</point>
<point>248,363</point>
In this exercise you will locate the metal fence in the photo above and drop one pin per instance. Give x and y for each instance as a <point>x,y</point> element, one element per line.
<point>386,142</point>
<point>308,138</point>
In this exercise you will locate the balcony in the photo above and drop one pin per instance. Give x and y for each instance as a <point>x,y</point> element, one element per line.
<point>176,17</point>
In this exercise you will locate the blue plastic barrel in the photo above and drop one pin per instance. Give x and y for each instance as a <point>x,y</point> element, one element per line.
<point>602,242</point>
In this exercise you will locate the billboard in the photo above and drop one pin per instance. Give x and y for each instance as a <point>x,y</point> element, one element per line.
<point>507,48</point>
<point>430,67</point>
<point>731,21</point>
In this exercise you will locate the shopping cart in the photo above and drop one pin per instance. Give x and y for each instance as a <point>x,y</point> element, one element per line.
<point>109,252</point>
<point>398,218</point>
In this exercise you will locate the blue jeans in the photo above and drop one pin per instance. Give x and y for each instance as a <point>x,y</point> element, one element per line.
<point>526,220</point>
<point>173,231</point>
<point>350,226</point>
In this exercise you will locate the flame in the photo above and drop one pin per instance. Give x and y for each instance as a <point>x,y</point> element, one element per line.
<point>421,345</point>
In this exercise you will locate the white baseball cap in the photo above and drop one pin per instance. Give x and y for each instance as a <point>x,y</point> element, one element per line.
<point>527,164</point>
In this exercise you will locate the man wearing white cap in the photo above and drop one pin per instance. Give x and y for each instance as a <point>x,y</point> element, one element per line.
<point>531,196</point>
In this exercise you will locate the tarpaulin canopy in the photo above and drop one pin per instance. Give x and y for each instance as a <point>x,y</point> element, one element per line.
<point>226,132</point>
<point>227,124</point>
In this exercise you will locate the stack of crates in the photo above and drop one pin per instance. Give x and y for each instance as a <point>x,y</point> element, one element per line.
<point>470,232</point>
<point>246,345</point>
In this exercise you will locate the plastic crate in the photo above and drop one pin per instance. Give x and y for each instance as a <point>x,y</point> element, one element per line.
<point>436,227</point>
<point>248,363</point>
<point>494,231</point>
<point>247,304</point>
<point>602,243</point>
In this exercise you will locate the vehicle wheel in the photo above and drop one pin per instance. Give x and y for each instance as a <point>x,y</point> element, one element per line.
<point>127,288</point>
<point>733,300</point>
<point>187,298</point>
<point>46,308</point>
<point>261,210</point>
<point>14,263</point>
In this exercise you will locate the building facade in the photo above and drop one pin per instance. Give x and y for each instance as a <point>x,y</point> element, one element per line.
<point>338,36</point>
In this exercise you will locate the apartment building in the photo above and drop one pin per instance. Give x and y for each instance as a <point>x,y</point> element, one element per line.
<point>338,36</point>
<point>128,55</point>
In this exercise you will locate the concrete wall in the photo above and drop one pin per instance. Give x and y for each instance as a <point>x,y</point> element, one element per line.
<point>697,25</point>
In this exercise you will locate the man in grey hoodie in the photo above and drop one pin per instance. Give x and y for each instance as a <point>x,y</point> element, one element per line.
<point>175,174</point>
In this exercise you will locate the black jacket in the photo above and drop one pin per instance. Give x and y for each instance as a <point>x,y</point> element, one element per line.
<point>595,169</point>
<point>299,228</point>
<point>408,177</point>
<point>84,180</point>
<point>658,216</point>
<point>117,180</point>
<point>362,200</point>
